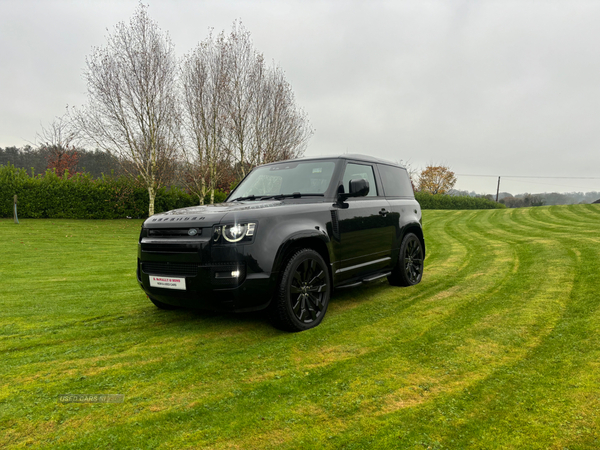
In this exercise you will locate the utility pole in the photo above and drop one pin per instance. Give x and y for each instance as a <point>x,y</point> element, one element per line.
<point>498,190</point>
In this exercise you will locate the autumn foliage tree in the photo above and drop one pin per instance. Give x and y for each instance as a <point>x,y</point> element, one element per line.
<point>436,180</point>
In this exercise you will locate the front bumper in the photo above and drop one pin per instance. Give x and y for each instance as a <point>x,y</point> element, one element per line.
<point>219,279</point>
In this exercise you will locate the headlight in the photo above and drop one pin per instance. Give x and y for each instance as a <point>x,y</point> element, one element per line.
<point>235,232</point>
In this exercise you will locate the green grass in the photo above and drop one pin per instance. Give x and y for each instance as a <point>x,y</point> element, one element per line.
<point>497,348</point>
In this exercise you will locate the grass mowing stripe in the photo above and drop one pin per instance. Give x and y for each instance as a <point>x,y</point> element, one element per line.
<point>497,348</point>
<point>588,212</point>
<point>566,219</point>
<point>456,441</point>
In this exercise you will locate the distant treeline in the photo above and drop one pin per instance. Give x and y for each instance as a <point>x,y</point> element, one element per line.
<point>527,199</point>
<point>36,160</point>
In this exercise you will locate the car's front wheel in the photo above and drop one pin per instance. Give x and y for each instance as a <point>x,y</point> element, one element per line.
<point>303,293</point>
<point>409,269</point>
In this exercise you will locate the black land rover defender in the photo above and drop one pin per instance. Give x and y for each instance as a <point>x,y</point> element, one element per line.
<point>289,233</point>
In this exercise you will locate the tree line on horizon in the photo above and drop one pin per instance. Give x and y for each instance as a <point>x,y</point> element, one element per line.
<point>536,199</point>
<point>36,160</point>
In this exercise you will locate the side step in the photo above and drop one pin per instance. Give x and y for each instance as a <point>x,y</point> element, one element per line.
<point>344,286</point>
<point>364,280</point>
<point>376,277</point>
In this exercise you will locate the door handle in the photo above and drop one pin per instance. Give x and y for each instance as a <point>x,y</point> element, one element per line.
<point>383,212</point>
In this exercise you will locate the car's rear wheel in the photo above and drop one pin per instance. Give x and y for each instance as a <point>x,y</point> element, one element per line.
<point>409,269</point>
<point>303,294</point>
<point>162,305</point>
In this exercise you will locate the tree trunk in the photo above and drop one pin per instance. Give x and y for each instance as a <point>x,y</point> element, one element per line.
<point>202,192</point>
<point>152,195</point>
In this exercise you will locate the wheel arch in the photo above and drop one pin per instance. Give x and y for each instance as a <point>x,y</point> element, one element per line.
<point>416,230</point>
<point>317,242</point>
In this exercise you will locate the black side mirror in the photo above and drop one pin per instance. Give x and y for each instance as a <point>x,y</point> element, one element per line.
<point>358,187</point>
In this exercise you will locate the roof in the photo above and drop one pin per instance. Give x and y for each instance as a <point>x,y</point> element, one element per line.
<point>352,156</point>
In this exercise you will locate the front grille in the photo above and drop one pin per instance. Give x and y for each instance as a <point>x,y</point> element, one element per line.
<point>221,264</point>
<point>174,232</point>
<point>170,248</point>
<point>168,268</point>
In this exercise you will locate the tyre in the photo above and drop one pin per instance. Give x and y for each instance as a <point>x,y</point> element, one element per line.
<point>303,293</point>
<point>409,269</point>
<point>162,305</point>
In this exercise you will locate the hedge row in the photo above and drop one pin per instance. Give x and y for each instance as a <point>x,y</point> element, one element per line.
<point>441,201</point>
<point>83,197</point>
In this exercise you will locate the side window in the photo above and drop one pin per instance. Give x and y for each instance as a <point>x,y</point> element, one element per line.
<point>396,182</point>
<point>357,171</point>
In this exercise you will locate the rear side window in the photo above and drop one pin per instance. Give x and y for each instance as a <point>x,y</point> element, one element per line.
<point>396,182</point>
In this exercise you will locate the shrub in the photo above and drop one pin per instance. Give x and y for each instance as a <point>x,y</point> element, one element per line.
<point>441,201</point>
<point>83,197</point>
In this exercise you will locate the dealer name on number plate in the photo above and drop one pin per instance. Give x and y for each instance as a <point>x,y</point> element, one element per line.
<point>167,282</point>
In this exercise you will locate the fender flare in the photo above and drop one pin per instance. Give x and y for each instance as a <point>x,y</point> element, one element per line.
<point>293,239</point>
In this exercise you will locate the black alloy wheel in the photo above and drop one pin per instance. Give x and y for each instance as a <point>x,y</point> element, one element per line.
<point>409,269</point>
<point>304,291</point>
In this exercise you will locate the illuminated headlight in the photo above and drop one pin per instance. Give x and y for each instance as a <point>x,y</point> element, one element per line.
<point>235,232</point>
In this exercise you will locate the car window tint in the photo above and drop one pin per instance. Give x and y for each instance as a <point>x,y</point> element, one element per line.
<point>396,182</point>
<point>358,171</point>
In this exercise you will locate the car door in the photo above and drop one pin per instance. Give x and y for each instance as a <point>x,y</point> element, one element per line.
<point>366,232</point>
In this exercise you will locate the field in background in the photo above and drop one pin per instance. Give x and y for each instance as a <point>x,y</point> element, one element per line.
<point>498,347</point>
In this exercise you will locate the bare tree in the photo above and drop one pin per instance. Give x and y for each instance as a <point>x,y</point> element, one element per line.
<point>264,123</point>
<point>132,99</point>
<point>282,130</point>
<point>238,110</point>
<point>57,142</point>
<point>204,83</point>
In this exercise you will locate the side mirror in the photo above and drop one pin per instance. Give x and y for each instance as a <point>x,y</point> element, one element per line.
<point>358,187</point>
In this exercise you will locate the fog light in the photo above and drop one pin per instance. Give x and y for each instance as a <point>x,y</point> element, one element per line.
<point>229,275</point>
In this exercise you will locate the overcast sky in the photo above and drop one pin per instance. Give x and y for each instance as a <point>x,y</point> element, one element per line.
<point>487,87</point>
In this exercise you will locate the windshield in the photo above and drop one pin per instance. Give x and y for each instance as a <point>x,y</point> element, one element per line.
<point>309,177</point>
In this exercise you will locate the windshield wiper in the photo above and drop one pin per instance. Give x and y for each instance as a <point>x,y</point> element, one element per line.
<point>276,196</point>
<point>294,195</point>
<point>239,199</point>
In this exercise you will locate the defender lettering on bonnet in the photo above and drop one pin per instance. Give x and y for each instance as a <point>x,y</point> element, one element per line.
<point>288,235</point>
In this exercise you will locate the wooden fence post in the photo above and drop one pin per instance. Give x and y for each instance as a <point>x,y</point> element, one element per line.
<point>16,218</point>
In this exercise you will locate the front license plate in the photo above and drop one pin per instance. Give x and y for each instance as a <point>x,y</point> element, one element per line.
<point>168,282</point>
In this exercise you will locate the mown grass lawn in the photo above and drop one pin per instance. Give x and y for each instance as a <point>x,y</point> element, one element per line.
<point>498,347</point>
